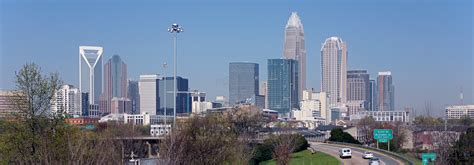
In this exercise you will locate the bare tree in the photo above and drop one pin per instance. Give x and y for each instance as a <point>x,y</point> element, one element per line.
<point>445,142</point>
<point>283,147</point>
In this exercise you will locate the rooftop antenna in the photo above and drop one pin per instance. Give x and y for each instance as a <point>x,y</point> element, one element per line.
<point>461,97</point>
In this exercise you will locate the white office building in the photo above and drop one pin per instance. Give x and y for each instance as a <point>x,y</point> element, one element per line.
<point>458,111</point>
<point>148,91</point>
<point>199,103</point>
<point>67,101</point>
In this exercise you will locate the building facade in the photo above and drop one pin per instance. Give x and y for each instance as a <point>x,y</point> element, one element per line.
<point>67,100</point>
<point>294,47</point>
<point>459,111</point>
<point>115,83</point>
<point>317,101</point>
<point>372,95</point>
<point>183,96</point>
<point>90,72</point>
<point>354,106</point>
<point>243,81</point>
<point>384,116</point>
<point>334,70</point>
<point>199,103</point>
<point>134,96</point>
<point>148,92</point>
<point>120,105</point>
<point>283,85</point>
<point>385,92</point>
<point>264,92</point>
<point>358,86</point>
<point>10,104</point>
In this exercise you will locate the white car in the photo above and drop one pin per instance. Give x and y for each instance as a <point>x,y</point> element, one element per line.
<point>367,155</point>
<point>345,153</point>
<point>374,161</point>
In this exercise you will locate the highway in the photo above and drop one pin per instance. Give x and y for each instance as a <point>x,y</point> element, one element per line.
<point>356,159</point>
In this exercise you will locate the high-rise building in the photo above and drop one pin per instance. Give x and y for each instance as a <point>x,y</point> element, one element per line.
<point>385,92</point>
<point>334,70</point>
<point>148,91</point>
<point>295,47</point>
<point>134,96</point>
<point>263,92</point>
<point>358,85</point>
<point>283,85</point>
<point>243,81</point>
<point>115,83</point>
<point>67,101</point>
<point>372,95</point>
<point>90,72</point>
<point>85,104</point>
<point>183,96</point>
<point>358,90</point>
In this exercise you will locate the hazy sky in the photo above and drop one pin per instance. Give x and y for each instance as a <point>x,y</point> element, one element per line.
<point>426,44</point>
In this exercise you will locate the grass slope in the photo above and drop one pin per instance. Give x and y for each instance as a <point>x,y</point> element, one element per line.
<point>306,158</point>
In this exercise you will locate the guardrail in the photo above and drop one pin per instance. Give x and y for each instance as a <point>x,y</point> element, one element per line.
<point>398,156</point>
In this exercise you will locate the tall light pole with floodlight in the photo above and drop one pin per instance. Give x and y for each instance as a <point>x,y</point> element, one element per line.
<point>175,29</point>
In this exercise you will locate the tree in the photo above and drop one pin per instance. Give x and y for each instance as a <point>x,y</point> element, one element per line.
<point>463,150</point>
<point>367,125</point>
<point>428,121</point>
<point>337,135</point>
<point>283,146</point>
<point>33,135</point>
<point>203,140</point>
<point>465,120</point>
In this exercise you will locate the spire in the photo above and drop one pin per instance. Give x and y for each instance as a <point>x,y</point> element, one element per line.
<point>294,21</point>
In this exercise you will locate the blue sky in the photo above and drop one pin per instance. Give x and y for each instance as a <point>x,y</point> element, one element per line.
<point>426,44</point>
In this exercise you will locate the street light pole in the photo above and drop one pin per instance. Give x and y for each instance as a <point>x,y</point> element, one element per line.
<point>175,29</point>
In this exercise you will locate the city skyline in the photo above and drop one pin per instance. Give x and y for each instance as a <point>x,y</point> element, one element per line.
<point>399,53</point>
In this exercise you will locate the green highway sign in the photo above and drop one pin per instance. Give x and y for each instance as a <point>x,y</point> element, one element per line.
<point>386,134</point>
<point>425,157</point>
<point>383,140</point>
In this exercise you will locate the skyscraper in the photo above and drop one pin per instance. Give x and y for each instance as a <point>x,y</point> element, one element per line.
<point>385,92</point>
<point>148,90</point>
<point>183,96</point>
<point>283,85</point>
<point>90,72</point>
<point>243,81</point>
<point>115,83</point>
<point>334,70</point>
<point>134,96</point>
<point>372,95</point>
<point>358,85</point>
<point>295,49</point>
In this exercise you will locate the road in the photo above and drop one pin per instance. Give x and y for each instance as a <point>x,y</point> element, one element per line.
<point>333,150</point>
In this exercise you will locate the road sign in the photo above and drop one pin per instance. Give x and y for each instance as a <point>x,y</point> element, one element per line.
<point>383,140</point>
<point>383,134</point>
<point>428,156</point>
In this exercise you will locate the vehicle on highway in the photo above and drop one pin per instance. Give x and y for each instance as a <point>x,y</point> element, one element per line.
<point>345,153</point>
<point>367,155</point>
<point>374,161</point>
